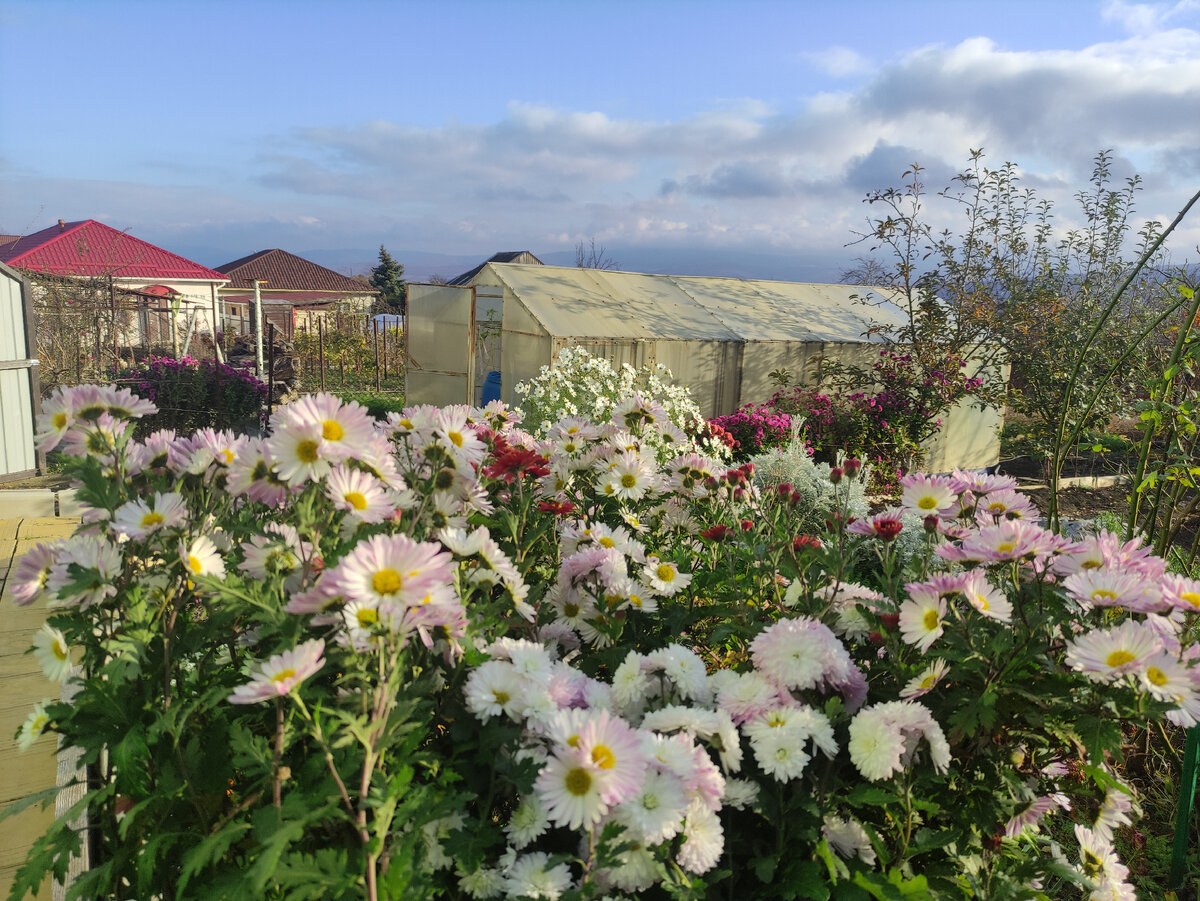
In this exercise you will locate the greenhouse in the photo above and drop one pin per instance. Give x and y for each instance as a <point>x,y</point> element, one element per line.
<point>721,337</point>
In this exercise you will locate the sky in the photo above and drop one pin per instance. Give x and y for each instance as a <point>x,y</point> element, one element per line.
<point>691,136</point>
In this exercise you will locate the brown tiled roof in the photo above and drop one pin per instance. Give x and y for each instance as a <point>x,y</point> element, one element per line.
<point>285,271</point>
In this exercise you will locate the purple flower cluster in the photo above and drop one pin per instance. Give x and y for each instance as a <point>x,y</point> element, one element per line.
<point>193,394</point>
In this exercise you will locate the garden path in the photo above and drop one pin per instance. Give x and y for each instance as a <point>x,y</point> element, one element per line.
<point>22,684</point>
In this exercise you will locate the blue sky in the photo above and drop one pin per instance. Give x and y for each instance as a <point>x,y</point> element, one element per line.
<point>670,131</point>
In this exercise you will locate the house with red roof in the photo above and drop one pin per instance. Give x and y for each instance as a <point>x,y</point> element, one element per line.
<point>293,291</point>
<point>145,277</point>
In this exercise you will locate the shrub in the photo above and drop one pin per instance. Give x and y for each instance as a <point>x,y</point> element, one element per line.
<point>196,394</point>
<point>582,385</point>
<point>377,405</point>
<point>437,657</point>
<point>755,429</point>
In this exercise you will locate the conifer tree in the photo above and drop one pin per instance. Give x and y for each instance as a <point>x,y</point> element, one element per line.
<point>388,279</point>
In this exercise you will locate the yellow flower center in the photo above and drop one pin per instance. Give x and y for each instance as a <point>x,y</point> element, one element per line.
<point>456,437</point>
<point>1156,676</point>
<point>606,542</point>
<point>927,503</point>
<point>665,572</point>
<point>570,610</point>
<point>1192,598</point>
<point>151,519</point>
<point>60,420</point>
<point>1006,548</point>
<point>1103,594</point>
<point>367,617</point>
<point>636,601</point>
<point>283,675</point>
<point>194,563</point>
<point>931,619</point>
<point>1119,658</point>
<point>355,500</point>
<point>386,581</point>
<point>59,650</point>
<point>982,603</point>
<point>774,720</point>
<point>996,508</point>
<point>628,480</point>
<point>306,451</point>
<point>928,681</point>
<point>578,781</point>
<point>502,697</point>
<point>331,430</point>
<point>603,757</point>
<point>226,456</point>
<point>1090,564</point>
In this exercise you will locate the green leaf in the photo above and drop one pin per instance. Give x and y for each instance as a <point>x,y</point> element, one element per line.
<point>865,794</point>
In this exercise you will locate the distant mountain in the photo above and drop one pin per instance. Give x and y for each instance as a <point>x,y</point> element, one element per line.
<point>421,266</point>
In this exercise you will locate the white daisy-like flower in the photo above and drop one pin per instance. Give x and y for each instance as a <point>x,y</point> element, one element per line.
<point>927,495</point>
<point>572,789</point>
<point>33,727</point>
<point>362,496</point>
<point>925,681</point>
<point>280,674</point>
<point>530,877</point>
<point>51,650</point>
<point>664,576</point>
<point>1107,654</point>
<point>921,618</point>
<point>486,882</point>
<point>875,745</point>
<point>201,558</point>
<point>985,597</point>
<point>494,688</point>
<point>740,794</point>
<point>139,518</point>
<point>630,682</point>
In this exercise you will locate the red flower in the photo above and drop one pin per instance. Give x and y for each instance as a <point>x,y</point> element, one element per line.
<point>514,463</point>
<point>558,508</point>
<point>719,532</point>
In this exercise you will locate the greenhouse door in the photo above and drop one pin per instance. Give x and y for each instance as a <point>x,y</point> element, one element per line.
<point>439,334</point>
<point>19,401</point>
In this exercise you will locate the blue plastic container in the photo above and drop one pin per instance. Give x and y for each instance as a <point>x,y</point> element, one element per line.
<point>491,388</point>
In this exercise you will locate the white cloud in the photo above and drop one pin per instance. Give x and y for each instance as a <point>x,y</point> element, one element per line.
<point>838,62</point>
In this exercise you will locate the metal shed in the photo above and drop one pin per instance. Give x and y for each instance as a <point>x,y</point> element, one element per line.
<point>721,337</point>
<point>19,388</point>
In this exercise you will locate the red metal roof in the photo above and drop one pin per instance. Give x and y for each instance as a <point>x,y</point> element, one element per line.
<point>285,271</point>
<point>90,248</point>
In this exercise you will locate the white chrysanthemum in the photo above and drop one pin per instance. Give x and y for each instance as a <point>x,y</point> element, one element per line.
<point>529,877</point>
<point>495,687</point>
<point>629,682</point>
<point>685,669</point>
<point>483,883</point>
<point>572,789</point>
<point>201,558</point>
<point>664,577</point>
<point>704,840</point>
<point>1107,654</point>
<point>655,814</point>
<point>740,794</point>
<point>875,745</point>
<point>527,822</point>
<point>924,682</point>
<point>51,650</point>
<point>848,838</point>
<point>780,752</point>
<point>139,518</point>
<point>34,725</point>
<point>363,497</point>
<point>921,619</point>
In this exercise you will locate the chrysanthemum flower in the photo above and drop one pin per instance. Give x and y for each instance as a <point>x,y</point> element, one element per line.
<point>654,814</point>
<point>1115,588</point>
<point>527,822</point>
<point>282,673</point>
<point>629,476</point>
<point>99,559</point>
<point>201,558</point>
<point>28,579</point>
<point>139,518</point>
<point>395,570</point>
<point>927,495</point>
<point>921,618</point>
<point>33,727</point>
<point>684,667</point>
<point>925,681</point>
<point>1107,654</point>
<point>885,526</point>
<point>531,876</point>
<point>341,427</point>
<point>704,840</point>
<point>1029,817</point>
<point>985,597</point>
<point>572,788</point>
<point>800,653</point>
<point>1181,592</point>
<point>848,838</point>
<point>884,738</point>
<point>362,496</point>
<point>664,576</point>
<point>1165,677</point>
<point>51,650</point>
<point>1004,504</point>
<point>494,688</point>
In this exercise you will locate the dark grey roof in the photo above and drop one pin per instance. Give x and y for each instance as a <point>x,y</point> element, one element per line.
<point>505,256</point>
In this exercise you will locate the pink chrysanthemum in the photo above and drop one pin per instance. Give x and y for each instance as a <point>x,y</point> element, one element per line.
<point>281,673</point>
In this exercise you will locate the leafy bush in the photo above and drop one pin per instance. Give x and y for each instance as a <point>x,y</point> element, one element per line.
<point>437,657</point>
<point>377,405</point>
<point>197,394</point>
<point>755,429</point>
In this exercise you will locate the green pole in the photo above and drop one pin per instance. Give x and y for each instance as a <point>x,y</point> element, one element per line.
<point>1183,813</point>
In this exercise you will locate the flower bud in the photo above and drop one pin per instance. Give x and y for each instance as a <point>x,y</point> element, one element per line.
<point>889,620</point>
<point>852,466</point>
<point>932,521</point>
<point>835,474</point>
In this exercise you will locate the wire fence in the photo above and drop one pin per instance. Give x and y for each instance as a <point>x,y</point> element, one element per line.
<point>353,352</point>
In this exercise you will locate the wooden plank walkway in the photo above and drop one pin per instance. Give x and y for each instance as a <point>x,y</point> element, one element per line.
<point>22,684</point>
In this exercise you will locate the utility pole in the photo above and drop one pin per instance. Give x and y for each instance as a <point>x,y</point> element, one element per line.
<point>258,327</point>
